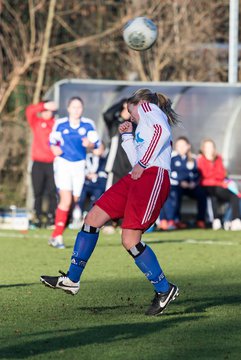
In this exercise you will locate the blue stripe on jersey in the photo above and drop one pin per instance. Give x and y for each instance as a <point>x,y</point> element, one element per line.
<point>70,139</point>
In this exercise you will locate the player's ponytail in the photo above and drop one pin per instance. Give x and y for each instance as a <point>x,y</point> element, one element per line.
<point>161,100</point>
<point>165,105</point>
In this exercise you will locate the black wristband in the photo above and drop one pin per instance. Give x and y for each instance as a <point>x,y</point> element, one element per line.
<point>144,167</point>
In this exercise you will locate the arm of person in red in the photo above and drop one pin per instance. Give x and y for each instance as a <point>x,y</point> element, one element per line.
<point>33,110</point>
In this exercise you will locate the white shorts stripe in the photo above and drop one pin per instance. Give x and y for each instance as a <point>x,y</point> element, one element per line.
<point>157,190</point>
<point>154,196</point>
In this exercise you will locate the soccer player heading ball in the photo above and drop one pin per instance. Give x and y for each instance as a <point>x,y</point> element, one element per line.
<point>137,198</point>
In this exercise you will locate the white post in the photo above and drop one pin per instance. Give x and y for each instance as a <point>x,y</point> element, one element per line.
<point>233,41</point>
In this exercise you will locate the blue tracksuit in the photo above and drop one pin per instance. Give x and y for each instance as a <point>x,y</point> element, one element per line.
<point>182,169</point>
<point>93,188</point>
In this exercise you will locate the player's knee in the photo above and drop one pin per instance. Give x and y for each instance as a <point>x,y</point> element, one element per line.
<point>96,217</point>
<point>137,249</point>
<point>130,238</point>
<point>89,218</point>
<point>92,218</point>
<point>127,242</point>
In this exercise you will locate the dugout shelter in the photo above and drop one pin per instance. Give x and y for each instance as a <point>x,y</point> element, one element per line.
<point>206,110</point>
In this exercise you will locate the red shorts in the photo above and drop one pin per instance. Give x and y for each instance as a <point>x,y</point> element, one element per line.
<point>137,202</point>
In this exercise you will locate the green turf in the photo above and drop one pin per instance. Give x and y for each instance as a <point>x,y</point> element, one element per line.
<point>106,319</point>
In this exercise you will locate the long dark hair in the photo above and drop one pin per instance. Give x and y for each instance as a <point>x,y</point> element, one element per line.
<point>159,99</point>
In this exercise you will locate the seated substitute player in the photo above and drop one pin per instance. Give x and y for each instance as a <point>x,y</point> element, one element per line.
<point>184,181</point>
<point>95,178</point>
<point>70,138</point>
<point>214,181</point>
<point>137,198</point>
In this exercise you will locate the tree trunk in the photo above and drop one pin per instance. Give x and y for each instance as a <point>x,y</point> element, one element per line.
<point>45,51</point>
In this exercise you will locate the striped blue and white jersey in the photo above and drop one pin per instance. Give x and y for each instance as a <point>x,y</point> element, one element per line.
<point>70,137</point>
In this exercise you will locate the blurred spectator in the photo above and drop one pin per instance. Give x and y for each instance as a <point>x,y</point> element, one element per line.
<point>217,186</point>
<point>184,181</point>
<point>95,179</point>
<point>41,120</point>
<point>70,139</point>
<point>117,164</point>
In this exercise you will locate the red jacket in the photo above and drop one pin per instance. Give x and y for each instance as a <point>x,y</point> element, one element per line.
<point>212,173</point>
<point>41,129</point>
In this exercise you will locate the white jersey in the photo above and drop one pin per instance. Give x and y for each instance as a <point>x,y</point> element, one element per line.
<point>152,145</point>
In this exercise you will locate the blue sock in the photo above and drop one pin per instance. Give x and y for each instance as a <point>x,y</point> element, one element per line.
<point>84,245</point>
<point>147,262</point>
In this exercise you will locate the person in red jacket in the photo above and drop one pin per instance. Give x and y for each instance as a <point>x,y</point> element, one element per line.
<point>214,180</point>
<point>41,120</point>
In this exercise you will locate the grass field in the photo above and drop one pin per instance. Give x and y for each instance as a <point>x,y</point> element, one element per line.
<point>106,319</point>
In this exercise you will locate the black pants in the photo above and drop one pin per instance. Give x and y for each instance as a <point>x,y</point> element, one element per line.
<point>221,195</point>
<point>44,185</point>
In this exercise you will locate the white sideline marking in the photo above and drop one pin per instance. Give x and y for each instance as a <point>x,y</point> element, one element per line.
<point>187,241</point>
<point>209,242</point>
<point>17,235</point>
<point>201,242</point>
<point>26,235</point>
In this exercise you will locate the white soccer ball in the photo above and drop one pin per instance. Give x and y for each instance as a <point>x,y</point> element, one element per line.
<point>140,33</point>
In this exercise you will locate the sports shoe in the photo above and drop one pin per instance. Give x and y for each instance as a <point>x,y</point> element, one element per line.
<point>227,225</point>
<point>180,225</point>
<point>171,225</point>
<point>161,300</point>
<point>162,225</point>
<point>201,224</point>
<point>61,282</point>
<point>216,225</point>
<point>57,242</point>
<point>235,225</point>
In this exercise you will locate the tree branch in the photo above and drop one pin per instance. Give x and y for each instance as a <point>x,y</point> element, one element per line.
<point>45,50</point>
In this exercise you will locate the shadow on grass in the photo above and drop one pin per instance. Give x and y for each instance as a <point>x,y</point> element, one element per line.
<point>16,285</point>
<point>194,306</point>
<point>203,304</point>
<point>101,334</point>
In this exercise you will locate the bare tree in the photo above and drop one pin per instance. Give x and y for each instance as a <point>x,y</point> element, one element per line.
<point>45,51</point>
<point>185,48</point>
<point>42,41</point>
